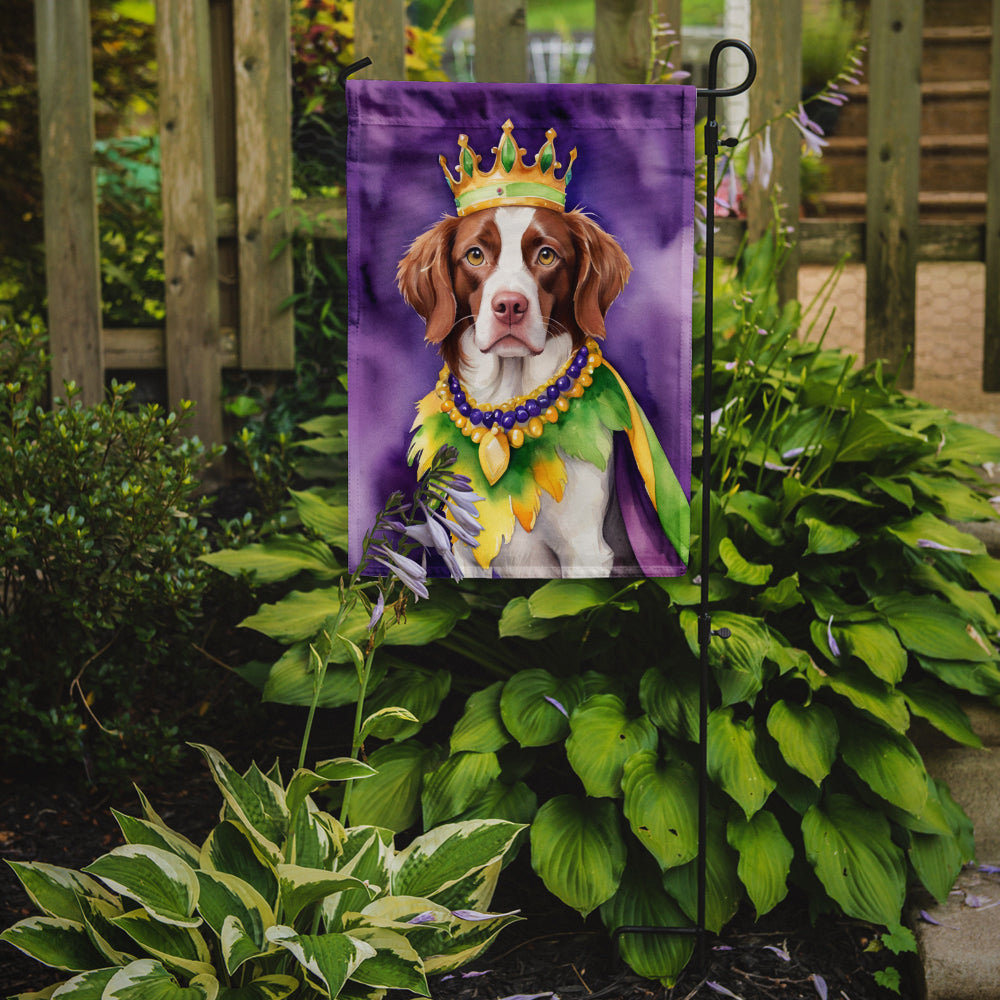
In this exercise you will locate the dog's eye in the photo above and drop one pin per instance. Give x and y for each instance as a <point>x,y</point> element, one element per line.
<point>547,256</point>
<point>475,256</point>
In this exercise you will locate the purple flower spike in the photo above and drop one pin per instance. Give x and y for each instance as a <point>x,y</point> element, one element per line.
<point>427,917</point>
<point>834,648</point>
<point>377,612</point>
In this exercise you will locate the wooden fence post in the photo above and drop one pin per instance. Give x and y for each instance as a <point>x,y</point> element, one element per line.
<point>991,332</point>
<point>72,255</point>
<point>776,35</point>
<point>621,40</point>
<point>501,41</point>
<point>380,34</point>
<point>190,251</point>
<point>892,214</point>
<point>262,61</point>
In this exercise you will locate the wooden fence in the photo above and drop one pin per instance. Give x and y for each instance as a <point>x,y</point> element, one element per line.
<point>226,161</point>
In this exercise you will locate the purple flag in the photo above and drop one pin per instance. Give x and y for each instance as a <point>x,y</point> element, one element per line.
<point>520,266</point>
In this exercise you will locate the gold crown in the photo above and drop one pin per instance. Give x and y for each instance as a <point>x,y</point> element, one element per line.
<point>509,182</point>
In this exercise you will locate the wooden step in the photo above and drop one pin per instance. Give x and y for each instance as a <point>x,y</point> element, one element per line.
<point>956,53</point>
<point>957,206</point>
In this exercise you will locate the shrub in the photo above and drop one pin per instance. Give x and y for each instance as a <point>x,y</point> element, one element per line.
<point>99,539</point>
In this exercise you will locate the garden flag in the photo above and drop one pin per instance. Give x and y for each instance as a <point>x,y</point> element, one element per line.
<point>520,275</point>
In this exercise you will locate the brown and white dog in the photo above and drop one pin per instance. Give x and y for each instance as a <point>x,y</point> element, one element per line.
<point>508,294</point>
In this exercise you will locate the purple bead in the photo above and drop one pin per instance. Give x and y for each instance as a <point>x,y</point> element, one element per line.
<point>464,409</point>
<point>582,355</point>
<point>574,371</point>
<point>563,383</point>
<point>453,383</point>
<point>488,419</point>
<point>475,416</point>
<point>533,408</point>
<point>508,420</point>
<point>522,414</point>
<point>459,397</point>
<point>553,393</point>
<point>544,402</point>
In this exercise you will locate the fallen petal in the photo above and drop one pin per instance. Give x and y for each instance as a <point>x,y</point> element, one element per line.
<point>719,988</point>
<point>780,952</point>
<point>820,983</point>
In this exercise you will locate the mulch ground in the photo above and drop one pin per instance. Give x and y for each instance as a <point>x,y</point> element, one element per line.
<point>550,953</point>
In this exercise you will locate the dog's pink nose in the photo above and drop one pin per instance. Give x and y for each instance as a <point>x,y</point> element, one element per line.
<point>509,307</point>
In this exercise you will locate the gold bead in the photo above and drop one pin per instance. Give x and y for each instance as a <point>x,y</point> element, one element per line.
<point>478,434</point>
<point>585,380</point>
<point>551,414</point>
<point>594,360</point>
<point>516,437</point>
<point>467,429</point>
<point>575,390</point>
<point>562,403</point>
<point>447,406</point>
<point>460,421</point>
<point>534,428</point>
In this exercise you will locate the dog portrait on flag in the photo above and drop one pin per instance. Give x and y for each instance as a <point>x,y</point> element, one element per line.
<point>537,321</point>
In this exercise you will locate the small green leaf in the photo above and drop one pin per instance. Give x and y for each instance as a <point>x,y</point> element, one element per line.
<point>481,727</point>
<point>828,539</point>
<point>456,784</point>
<point>751,574</point>
<point>562,598</point>
<point>279,558</point>
<point>535,706</point>
<point>807,736</point>
<point>732,760</point>
<point>888,763</point>
<point>765,858</point>
<point>671,700</point>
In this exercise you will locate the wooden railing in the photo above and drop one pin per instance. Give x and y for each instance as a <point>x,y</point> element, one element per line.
<point>226,161</point>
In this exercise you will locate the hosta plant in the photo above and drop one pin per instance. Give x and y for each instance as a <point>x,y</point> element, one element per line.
<point>279,900</point>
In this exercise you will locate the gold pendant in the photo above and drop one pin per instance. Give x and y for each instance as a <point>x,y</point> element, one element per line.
<point>494,456</point>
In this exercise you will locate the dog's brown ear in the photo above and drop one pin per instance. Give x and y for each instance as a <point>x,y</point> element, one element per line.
<point>424,278</point>
<point>603,268</point>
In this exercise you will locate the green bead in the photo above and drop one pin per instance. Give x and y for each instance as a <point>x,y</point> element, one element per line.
<point>468,163</point>
<point>508,153</point>
<point>547,157</point>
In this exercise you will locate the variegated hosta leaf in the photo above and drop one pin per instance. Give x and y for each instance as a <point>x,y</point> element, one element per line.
<point>765,858</point>
<point>888,763</point>
<point>732,760</point>
<point>304,782</point>
<point>850,847</point>
<point>149,980</point>
<point>329,959</point>
<point>301,887</point>
<point>177,947</point>
<point>456,784</point>
<point>466,941</point>
<point>535,706</point>
<point>367,853</point>
<point>87,986</point>
<point>315,838</point>
<point>56,891</point>
<point>481,727</point>
<point>723,889</point>
<point>661,805</point>
<point>141,831</point>
<point>275,987</point>
<point>395,964</point>
<point>642,902</point>
<point>158,880</point>
<point>475,891</point>
<point>225,897</point>
<point>807,736</point>
<point>54,941</point>
<point>256,801</point>
<point>602,737</point>
<point>230,849</point>
<point>578,851</point>
<point>441,857</point>
<point>116,947</point>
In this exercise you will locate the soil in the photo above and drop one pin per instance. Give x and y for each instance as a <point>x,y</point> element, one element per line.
<point>550,953</point>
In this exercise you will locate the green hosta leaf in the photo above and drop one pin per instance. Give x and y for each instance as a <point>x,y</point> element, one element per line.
<point>641,901</point>
<point>391,798</point>
<point>807,736</point>
<point>225,897</point>
<point>516,803</point>
<point>738,661</point>
<point>456,784</point>
<point>56,891</point>
<point>416,690</point>
<point>578,851</point>
<point>275,987</point>
<point>850,847</point>
<point>230,849</point>
<point>327,520</point>
<point>986,572</point>
<point>723,889</point>
<point>783,595</point>
<point>386,723</point>
<point>671,700</point>
<point>876,646</point>
<point>661,800</point>
<point>765,858</point>
<point>741,571</point>
<point>54,941</point>
<point>395,964</point>
<point>291,680</point>
<point>260,809</point>
<point>602,738</point>
<point>957,501</point>
<point>865,692</point>
<point>927,528</point>
<point>560,598</point>
<point>180,948</point>
<point>931,628</point>
<point>976,678</point>
<point>279,558</point>
<point>481,728</point>
<point>159,881</point>
<point>438,859</point>
<point>828,539</point>
<point>893,488</point>
<point>301,887</point>
<point>141,831</point>
<point>732,760</point>
<point>888,763</point>
<point>976,605</point>
<point>965,443</point>
<point>330,959</point>
<point>937,858</point>
<point>760,512</point>
<point>535,706</point>
<point>147,979</point>
<point>517,620</point>
<point>304,782</point>
<point>941,709</point>
<point>870,436</point>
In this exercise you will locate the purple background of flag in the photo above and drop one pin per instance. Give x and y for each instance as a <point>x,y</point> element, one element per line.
<point>634,174</point>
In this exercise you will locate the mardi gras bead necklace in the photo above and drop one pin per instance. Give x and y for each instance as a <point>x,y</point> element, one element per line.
<point>497,429</point>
